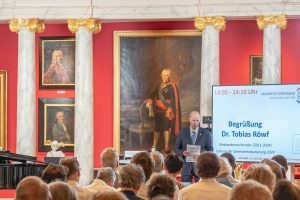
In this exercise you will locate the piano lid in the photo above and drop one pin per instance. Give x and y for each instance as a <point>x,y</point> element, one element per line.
<point>6,155</point>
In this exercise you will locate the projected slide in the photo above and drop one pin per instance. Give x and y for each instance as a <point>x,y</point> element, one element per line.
<point>257,122</point>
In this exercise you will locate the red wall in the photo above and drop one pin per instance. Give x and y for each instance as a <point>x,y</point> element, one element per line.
<point>240,40</point>
<point>9,62</point>
<point>290,40</point>
<point>51,30</point>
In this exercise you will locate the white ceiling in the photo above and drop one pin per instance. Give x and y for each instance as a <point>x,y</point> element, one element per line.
<point>140,10</point>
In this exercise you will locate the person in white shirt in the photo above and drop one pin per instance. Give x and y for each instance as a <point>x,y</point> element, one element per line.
<point>197,137</point>
<point>105,180</point>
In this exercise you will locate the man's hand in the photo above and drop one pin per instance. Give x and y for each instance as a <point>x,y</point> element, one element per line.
<point>149,103</point>
<point>186,153</point>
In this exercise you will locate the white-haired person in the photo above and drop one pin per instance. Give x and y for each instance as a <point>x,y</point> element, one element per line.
<point>104,181</point>
<point>110,158</point>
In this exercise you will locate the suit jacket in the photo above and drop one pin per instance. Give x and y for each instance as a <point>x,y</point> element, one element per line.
<point>131,195</point>
<point>204,139</point>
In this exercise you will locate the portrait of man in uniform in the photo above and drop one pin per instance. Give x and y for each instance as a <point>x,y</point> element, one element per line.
<point>157,84</point>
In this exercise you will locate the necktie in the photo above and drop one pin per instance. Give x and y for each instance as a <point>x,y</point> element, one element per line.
<point>194,137</point>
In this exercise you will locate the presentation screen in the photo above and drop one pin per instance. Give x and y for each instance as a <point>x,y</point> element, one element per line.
<point>254,122</point>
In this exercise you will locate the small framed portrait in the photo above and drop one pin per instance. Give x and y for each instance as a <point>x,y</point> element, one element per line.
<point>3,109</point>
<point>57,63</point>
<point>256,64</point>
<point>56,122</point>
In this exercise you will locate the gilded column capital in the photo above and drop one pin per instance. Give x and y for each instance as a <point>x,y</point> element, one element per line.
<point>33,24</point>
<point>264,21</point>
<point>91,24</point>
<point>218,22</point>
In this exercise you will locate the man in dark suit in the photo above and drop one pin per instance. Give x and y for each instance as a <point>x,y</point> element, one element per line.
<point>193,135</point>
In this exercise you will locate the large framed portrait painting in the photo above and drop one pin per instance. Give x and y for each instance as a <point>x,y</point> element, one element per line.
<point>56,122</point>
<point>57,63</point>
<point>140,57</point>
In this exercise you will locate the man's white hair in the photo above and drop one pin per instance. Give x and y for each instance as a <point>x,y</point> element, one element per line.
<point>166,71</point>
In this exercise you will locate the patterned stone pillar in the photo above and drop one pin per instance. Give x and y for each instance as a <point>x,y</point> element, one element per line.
<point>26,97</point>
<point>210,70</point>
<point>84,111</point>
<point>271,72</point>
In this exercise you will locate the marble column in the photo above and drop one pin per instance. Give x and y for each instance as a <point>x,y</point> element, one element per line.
<point>84,111</point>
<point>271,72</point>
<point>210,69</point>
<point>26,97</point>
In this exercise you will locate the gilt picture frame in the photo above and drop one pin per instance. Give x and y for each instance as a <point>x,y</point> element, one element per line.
<point>57,63</point>
<point>256,63</point>
<point>139,58</point>
<point>56,122</point>
<point>3,109</point>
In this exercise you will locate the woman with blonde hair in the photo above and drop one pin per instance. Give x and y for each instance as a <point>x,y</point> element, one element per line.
<point>261,173</point>
<point>225,172</point>
<point>250,190</point>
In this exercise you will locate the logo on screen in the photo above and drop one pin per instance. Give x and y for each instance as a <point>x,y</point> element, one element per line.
<point>298,95</point>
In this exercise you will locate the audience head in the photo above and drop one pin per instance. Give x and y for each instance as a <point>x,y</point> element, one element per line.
<point>107,175</point>
<point>54,172</point>
<point>283,172</point>
<point>260,173</point>
<point>161,197</point>
<point>32,188</point>
<point>61,191</point>
<point>158,160</point>
<point>275,167</point>
<point>144,159</point>
<point>173,164</point>
<point>250,190</point>
<point>109,196</point>
<point>131,176</point>
<point>109,158</point>
<point>207,165</point>
<point>161,185</point>
<point>282,161</point>
<point>230,158</point>
<point>225,168</point>
<point>286,190</point>
<point>73,165</point>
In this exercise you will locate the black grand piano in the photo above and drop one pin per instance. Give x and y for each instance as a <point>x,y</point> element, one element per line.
<point>14,167</point>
